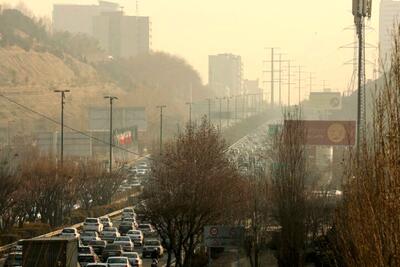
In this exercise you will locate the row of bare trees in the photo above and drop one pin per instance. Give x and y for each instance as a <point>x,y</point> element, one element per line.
<point>367,226</point>
<point>34,188</point>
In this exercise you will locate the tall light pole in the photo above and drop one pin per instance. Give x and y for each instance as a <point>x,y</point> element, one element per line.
<point>236,117</point>
<point>190,111</point>
<point>161,125</point>
<point>111,98</point>
<point>220,112</point>
<point>227,107</point>
<point>62,92</point>
<point>209,110</point>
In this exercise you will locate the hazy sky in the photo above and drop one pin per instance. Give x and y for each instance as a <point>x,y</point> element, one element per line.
<point>309,31</point>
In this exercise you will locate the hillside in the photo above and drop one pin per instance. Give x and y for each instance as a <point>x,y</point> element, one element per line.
<point>34,62</point>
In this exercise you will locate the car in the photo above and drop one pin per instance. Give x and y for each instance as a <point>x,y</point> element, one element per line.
<point>125,226</point>
<point>97,265</point>
<point>106,222</point>
<point>85,259</point>
<point>136,236</point>
<point>150,245</point>
<point>118,262</point>
<point>109,234</point>
<point>89,236</point>
<point>92,224</point>
<point>146,229</point>
<point>134,259</point>
<point>98,246</point>
<point>125,242</point>
<point>13,259</point>
<point>130,219</point>
<point>70,231</point>
<point>141,172</point>
<point>128,212</point>
<point>111,250</point>
<point>85,250</point>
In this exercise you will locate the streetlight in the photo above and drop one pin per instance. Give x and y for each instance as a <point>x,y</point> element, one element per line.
<point>227,107</point>
<point>62,92</point>
<point>112,98</point>
<point>190,111</point>
<point>220,111</point>
<point>209,110</point>
<point>161,125</point>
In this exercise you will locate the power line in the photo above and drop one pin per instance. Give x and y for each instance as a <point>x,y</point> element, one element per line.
<point>66,126</point>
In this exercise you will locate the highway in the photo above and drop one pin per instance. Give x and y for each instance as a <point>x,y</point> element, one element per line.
<point>244,150</point>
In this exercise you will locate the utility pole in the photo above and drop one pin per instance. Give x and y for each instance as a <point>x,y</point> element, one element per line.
<point>280,79</point>
<point>220,112</point>
<point>289,83</point>
<point>161,107</point>
<point>62,92</point>
<point>299,83</point>
<point>111,98</point>
<point>209,110</point>
<point>272,78</point>
<point>311,83</point>
<point>272,61</point>
<point>190,111</point>
<point>236,117</point>
<point>229,112</point>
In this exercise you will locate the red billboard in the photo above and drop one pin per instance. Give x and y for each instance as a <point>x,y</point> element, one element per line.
<point>328,133</point>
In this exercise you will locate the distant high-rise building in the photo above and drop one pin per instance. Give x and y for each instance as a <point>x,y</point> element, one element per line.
<point>79,18</point>
<point>122,36</point>
<point>119,35</point>
<point>225,74</point>
<point>389,16</point>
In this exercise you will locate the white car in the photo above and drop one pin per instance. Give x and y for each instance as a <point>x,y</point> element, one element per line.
<point>150,245</point>
<point>118,262</point>
<point>86,237</point>
<point>106,222</point>
<point>146,229</point>
<point>134,259</point>
<point>70,231</point>
<point>136,236</point>
<point>125,242</point>
<point>92,224</point>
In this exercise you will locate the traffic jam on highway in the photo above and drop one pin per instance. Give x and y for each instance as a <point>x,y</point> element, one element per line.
<point>129,240</point>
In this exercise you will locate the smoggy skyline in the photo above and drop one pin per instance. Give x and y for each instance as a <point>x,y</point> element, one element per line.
<point>309,32</point>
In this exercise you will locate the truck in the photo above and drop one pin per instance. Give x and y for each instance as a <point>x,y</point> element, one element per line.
<point>50,252</point>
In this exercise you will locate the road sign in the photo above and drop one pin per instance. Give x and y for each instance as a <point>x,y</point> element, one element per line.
<point>217,236</point>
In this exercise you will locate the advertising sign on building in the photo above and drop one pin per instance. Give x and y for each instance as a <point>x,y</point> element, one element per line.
<point>327,133</point>
<point>218,236</point>
<point>126,136</point>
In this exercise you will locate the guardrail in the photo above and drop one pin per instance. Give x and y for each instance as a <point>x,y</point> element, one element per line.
<point>7,248</point>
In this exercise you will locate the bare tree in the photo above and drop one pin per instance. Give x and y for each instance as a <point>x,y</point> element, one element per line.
<point>9,183</point>
<point>288,187</point>
<point>367,224</point>
<point>192,184</point>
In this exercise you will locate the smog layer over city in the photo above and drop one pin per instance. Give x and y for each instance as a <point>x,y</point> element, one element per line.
<point>214,133</point>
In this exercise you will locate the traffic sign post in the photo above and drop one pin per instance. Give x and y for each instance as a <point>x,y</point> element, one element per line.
<point>222,236</point>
